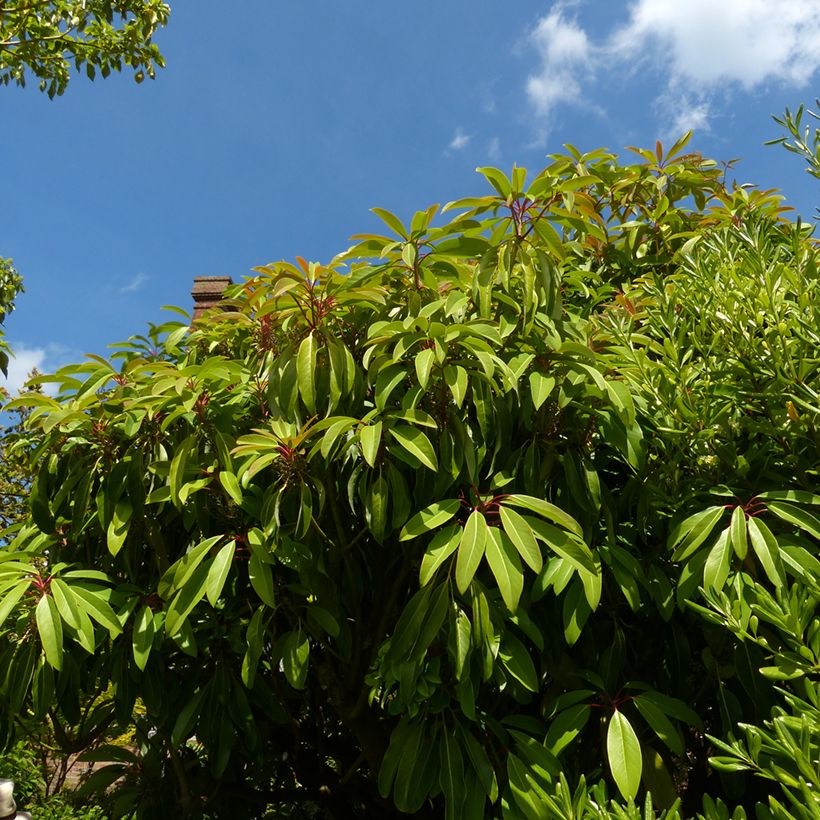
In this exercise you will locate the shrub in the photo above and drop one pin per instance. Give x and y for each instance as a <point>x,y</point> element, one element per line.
<point>480,509</point>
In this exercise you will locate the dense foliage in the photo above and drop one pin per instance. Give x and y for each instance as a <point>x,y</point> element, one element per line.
<point>50,38</point>
<point>506,516</point>
<point>10,286</point>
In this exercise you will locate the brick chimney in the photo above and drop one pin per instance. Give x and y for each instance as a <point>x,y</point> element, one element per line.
<point>207,293</point>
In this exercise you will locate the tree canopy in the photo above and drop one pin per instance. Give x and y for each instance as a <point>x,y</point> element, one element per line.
<point>50,38</point>
<point>508,512</point>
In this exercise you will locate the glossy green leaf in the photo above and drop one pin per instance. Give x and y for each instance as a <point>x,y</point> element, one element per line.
<point>261,578</point>
<point>306,372</point>
<point>451,777</point>
<point>566,726</point>
<point>716,569</point>
<point>624,754</point>
<point>142,637</point>
<point>687,536</point>
<point>470,549</point>
<point>218,572</point>
<point>370,437</point>
<point>506,566</point>
<point>442,545</point>
<point>659,723</point>
<point>517,662</point>
<point>541,387</point>
<point>97,607</point>
<point>521,535</point>
<point>438,513</point>
<point>456,378</point>
<point>416,443</point>
<point>230,484</point>
<point>795,515</point>
<point>738,532</point>
<point>546,510</point>
<point>295,650</point>
<point>50,628</point>
<point>767,551</point>
<point>10,599</point>
<point>424,362</point>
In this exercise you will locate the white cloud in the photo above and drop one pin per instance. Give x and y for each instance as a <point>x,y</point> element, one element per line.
<point>460,140</point>
<point>711,42</point>
<point>24,359</point>
<point>135,283</point>
<point>696,49</point>
<point>684,112</point>
<point>565,59</point>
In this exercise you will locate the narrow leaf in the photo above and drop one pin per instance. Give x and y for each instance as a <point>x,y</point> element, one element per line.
<point>470,549</point>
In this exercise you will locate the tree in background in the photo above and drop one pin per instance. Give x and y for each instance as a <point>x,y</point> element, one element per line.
<point>48,38</point>
<point>800,138</point>
<point>11,285</point>
<point>507,516</point>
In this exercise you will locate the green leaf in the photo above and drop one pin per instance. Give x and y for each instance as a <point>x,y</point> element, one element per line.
<point>687,536</point>
<point>438,513</point>
<point>295,650</point>
<point>451,777</point>
<point>118,527</point>
<point>50,628</point>
<point>624,754</point>
<point>481,765</point>
<point>185,723</point>
<point>659,723</point>
<point>218,572</point>
<point>546,510</point>
<point>766,549</point>
<point>517,662</point>
<point>672,706</point>
<point>66,603</point>
<point>716,569</point>
<point>416,443</point>
<point>442,545</point>
<point>564,545</point>
<point>795,515</point>
<point>254,640</point>
<point>392,221</point>
<point>176,474</point>
<point>540,386</point>
<point>738,532</point>
<point>424,364</point>
<point>497,179</point>
<point>261,578</point>
<point>575,611</point>
<point>188,596</point>
<point>797,496</point>
<point>306,372</point>
<point>230,483</point>
<point>95,606</point>
<point>370,437</point>
<point>456,378</point>
<point>10,599</point>
<point>506,567</point>
<point>520,533</point>
<point>470,549</point>
<point>566,726</point>
<point>142,638</point>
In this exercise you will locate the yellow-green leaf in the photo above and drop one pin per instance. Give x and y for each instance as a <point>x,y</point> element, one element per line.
<point>470,549</point>
<point>624,753</point>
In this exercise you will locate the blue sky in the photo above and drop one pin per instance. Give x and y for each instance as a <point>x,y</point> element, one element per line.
<point>276,126</point>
